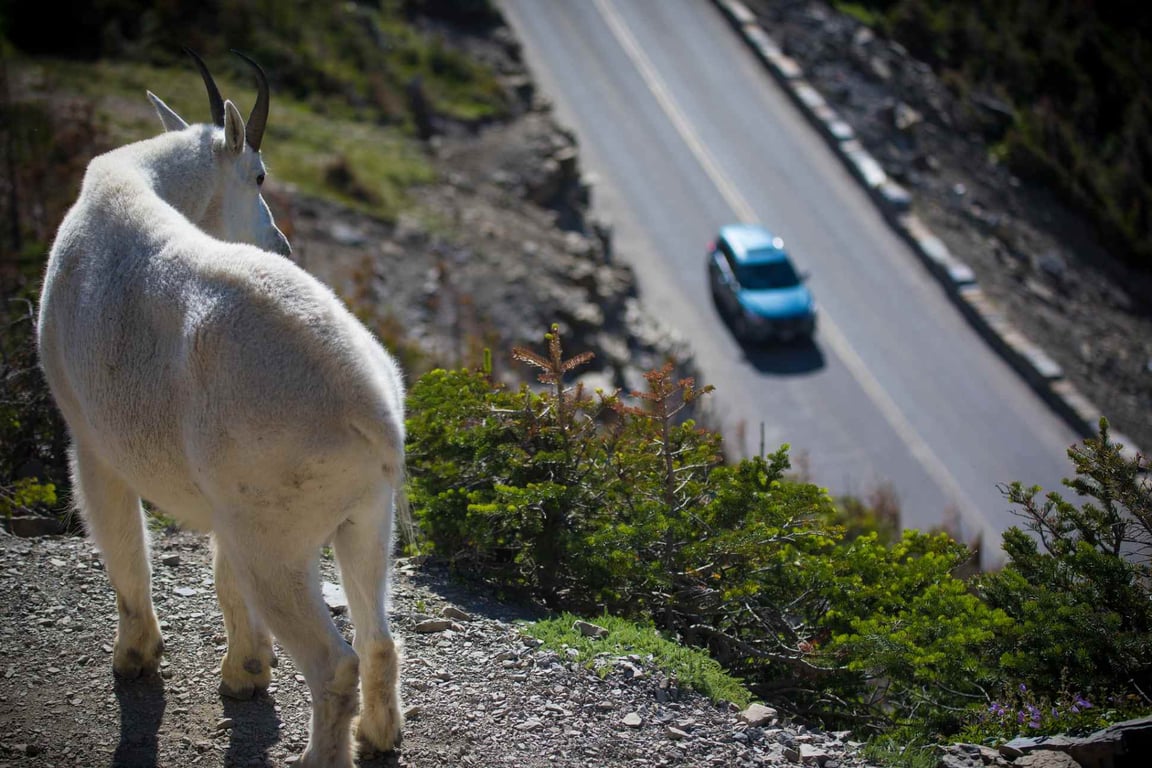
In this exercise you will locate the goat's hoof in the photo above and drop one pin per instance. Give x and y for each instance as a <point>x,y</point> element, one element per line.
<point>241,681</point>
<point>131,663</point>
<point>315,759</point>
<point>242,692</point>
<point>378,731</point>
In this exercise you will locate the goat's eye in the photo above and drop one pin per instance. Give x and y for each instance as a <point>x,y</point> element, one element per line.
<point>260,180</point>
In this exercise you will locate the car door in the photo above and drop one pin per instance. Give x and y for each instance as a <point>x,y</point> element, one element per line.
<point>726,277</point>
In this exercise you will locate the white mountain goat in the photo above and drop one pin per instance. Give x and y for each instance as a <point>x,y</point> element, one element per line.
<point>199,370</point>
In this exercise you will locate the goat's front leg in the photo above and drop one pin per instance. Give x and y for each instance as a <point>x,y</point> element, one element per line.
<point>285,591</point>
<point>248,662</point>
<point>115,522</point>
<point>363,547</point>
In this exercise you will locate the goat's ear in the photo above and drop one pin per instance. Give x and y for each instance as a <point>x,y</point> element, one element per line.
<point>171,120</point>
<point>233,128</point>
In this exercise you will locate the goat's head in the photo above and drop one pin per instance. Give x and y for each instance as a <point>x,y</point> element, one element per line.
<point>233,208</point>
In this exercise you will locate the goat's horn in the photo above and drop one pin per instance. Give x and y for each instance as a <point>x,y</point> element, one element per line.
<point>215,103</point>
<point>254,130</point>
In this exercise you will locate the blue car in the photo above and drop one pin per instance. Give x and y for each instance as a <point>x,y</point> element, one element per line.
<point>757,287</point>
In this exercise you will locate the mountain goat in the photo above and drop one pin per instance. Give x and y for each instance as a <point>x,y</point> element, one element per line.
<point>199,370</point>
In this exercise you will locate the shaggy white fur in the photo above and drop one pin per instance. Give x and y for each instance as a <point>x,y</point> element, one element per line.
<point>199,370</point>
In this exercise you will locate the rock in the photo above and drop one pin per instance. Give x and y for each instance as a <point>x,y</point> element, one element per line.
<point>905,118</point>
<point>172,559</point>
<point>988,755</point>
<point>1122,745</point>
<point>186,591</point>
<point>345,234</point>
<point>810,754</point>
<point>588,629</point>
<point>1026,744</point>
<point>577,244</point>
<point>879,68</point>
<point>334,596</point>
<point>223,724</point>
<point>1009,751</point>
<point>1053,264</point>
<point>951,760</point>
<point>758,714</point>
<point>633,720</point>
<point>675,733</point>
<point>32,526</point>
<point>531,724</point>
<point>971,756</point>
<point>437,625</point>
<point>1046,759</point>
<point>452,612</point>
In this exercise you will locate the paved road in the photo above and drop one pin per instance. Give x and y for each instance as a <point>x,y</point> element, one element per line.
<point>684,131</point>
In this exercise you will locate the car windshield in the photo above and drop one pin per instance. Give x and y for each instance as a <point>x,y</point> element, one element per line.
<point>767,275</point>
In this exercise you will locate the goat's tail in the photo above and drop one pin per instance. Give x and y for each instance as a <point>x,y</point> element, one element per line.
<point>388,439</point>
<point>405,523</point>
<point>396,471</point>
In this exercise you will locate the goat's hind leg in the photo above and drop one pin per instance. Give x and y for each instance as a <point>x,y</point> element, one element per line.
<point>115,521</point>
<point>284,589</point>
<point>363,547</point>
<point>248,661</point>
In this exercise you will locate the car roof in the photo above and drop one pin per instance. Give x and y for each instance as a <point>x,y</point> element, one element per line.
<point>744,239</point>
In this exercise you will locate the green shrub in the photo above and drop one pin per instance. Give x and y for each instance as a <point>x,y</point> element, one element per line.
<point>1022,712</point>
<point>502,478</point>
<point>913,632</point>
<point>33,461</point>
<point>622,504</point>
<point>1077,584</point>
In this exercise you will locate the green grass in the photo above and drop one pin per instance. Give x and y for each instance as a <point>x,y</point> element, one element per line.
<point>858,11</point>
<point>381,163</point>
<point>691,666</point>
<point>458,87</point>
<point>364,165</point>
<point>902,748</point>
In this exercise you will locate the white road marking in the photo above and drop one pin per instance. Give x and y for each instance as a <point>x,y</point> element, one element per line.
<point>856,366</point>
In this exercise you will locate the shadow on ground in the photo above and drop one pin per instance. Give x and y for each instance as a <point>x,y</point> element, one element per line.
<point>255,728</point>
<point>141,710</point>
<point>800,357</point>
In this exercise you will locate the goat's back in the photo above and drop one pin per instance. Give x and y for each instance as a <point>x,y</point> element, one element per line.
<point>212,375</point>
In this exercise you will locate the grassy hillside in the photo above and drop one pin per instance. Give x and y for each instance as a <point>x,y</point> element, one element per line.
<point>1074,77</point>
<point>341,76</point>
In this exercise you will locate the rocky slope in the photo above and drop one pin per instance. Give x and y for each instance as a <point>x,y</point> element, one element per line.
<point>493,253</point>
<point>482,260</point>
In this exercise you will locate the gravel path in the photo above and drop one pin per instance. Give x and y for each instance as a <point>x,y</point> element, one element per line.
<point>478,693</point>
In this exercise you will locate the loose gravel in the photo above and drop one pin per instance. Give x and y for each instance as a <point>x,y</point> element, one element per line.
<point>477,689</point>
